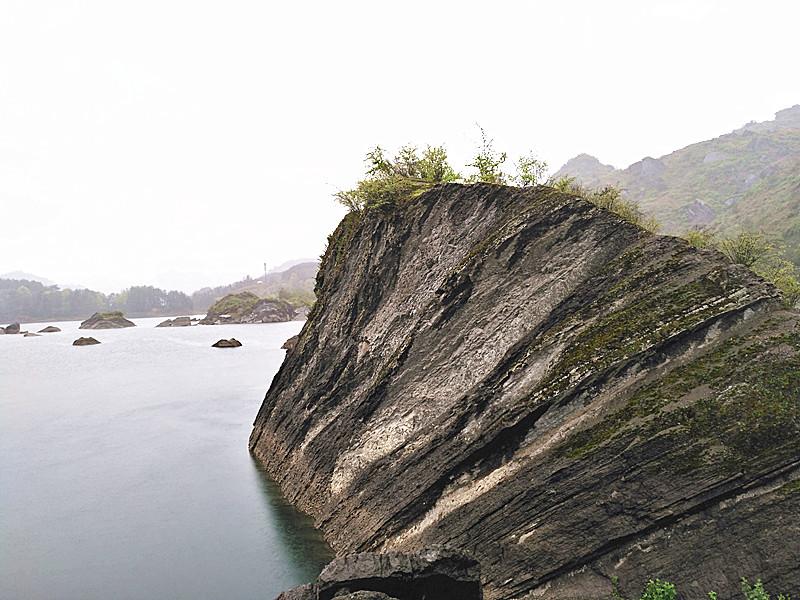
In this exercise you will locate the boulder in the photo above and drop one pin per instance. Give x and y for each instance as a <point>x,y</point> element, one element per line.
<point>290,343</point>
<point>231,343</point>
<point>50,329</point>
<point>2,330</point>
<point>13,328</point>
<point>85,341</point>
<point>303,592</point>
<point>176,322</point>
<point>434,573</point>
<point>107,320</point>
<point>31,334</point>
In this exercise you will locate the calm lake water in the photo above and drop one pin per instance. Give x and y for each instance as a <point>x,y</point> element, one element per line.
<point>124,469</point>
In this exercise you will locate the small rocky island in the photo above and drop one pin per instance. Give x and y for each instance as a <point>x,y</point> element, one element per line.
<point>231,343</point>
<point>107,320</point>
<point>85,341</point>
<point>176,322</point>
<point>50,329</point>
<point>11,329</point>
<point>246,307</point>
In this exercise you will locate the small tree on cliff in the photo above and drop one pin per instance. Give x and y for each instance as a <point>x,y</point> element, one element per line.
<point>389,180</point>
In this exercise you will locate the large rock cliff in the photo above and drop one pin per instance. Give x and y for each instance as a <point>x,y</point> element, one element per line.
<point>528,378</point>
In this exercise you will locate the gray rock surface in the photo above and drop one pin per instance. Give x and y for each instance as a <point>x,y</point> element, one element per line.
<point>523,376</point>
<point>85,341</point>
<point>50,329</point>
<point>13,328</point>
<point>290,343</point>
<point>31,334</point>
<point>303,592</point>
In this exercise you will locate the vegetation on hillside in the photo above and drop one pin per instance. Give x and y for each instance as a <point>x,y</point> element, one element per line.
<point>609,198</point>
<point>664,590</point>
<point>389,181</point>
<point>747,179</point>
<point>235,305</point>
<point>755,251</point>
<point>295,285</point>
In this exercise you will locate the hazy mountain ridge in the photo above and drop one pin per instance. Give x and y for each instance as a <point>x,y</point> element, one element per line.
<point>26,300</point>
<point>749,178</point>
<point>295,285</point>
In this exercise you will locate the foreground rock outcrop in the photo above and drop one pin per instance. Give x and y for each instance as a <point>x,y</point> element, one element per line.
<point>526,377</point>
<point>431,574</point>
<point>85,341</point>
<point>107,320</point>
<point>246,307</point>
<point>12,329</point>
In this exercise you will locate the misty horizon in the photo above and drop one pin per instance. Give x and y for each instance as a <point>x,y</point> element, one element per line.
<point>130,158</point>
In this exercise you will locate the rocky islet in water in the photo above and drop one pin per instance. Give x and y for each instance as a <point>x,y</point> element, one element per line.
<point>107,320</point>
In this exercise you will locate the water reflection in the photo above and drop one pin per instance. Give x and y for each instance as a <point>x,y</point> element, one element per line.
<point>306,552</point>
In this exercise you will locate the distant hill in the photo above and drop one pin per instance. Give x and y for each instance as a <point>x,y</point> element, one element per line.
<point>22,275</point>
<point>749,178</point>
<point>294,285</point>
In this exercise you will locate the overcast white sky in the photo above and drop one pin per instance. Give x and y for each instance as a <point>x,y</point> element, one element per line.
<point>184,143</point>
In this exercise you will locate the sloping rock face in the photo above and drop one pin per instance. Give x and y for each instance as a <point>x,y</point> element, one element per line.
<point>107,320</point>
<point>525,377</point>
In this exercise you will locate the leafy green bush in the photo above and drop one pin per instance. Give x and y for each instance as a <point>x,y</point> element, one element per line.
<point>664,590</point>
<point>756,591</point>
<point>530,170</point>
<point>755,251</point>
<point>488,163</point>
<point>659,590</point>
<point>389,181</point>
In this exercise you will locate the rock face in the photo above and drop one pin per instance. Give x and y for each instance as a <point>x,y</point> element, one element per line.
<point>50,329</point>
<point>31,334</point>
<point>85,341</point>
<point>246,307</point>
<point>231,343</point>
<point>176,322</point>
<point>290,343</point>
<point>523,376</point>
<point>107,320</point>
<point>12,329</point>
<point>429,574</point>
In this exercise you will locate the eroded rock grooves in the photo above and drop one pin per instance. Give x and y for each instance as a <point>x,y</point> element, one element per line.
<point>523,376</point>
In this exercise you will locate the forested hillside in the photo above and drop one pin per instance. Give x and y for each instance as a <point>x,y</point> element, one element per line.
<point>748,179</point>
<point>24,300</point>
